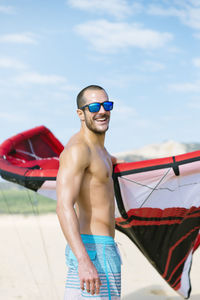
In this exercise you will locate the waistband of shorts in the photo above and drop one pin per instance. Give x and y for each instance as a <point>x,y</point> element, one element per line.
<point>97,239</point>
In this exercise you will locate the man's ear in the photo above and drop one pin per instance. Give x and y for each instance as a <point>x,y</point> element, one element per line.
<point>81,115</point>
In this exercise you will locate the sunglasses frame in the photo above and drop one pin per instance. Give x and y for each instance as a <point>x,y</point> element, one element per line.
<point>101,103</point>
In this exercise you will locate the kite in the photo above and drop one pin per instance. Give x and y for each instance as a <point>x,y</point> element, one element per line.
<point>159,210</point>
<point>157,200</point>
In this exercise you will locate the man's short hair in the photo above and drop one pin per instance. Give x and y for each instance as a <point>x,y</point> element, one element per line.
<point>80,100</point>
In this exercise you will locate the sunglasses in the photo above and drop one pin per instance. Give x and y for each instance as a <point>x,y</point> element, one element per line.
<point>95,107</point>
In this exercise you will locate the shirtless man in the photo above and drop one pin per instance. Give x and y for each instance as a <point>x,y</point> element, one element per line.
<point>85,203</point>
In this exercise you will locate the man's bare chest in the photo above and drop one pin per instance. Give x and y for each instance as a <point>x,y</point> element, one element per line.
<point>100,167</point>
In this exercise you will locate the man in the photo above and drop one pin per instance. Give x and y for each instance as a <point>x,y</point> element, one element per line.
<point>85,204</point>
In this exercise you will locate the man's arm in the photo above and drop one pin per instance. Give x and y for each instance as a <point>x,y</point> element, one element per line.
<point>73,162</point>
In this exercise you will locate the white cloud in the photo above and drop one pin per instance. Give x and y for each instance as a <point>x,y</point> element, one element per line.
<point>192,19</point>
<point>194,2</point>
<point>194,105</point>
<point>18,38</point>
<point>197,35</point>
<point>69,88</point>
<point>13,117</point>
<point>10,63</point>
<point>123,111</point>
<point>167,12</point>
<point>152,66</point>
<point>107,36</point>
<point>193,87</point>
<point>196,62</point>
<point>7,9</point>
<point>36,78</point>
<point>188,12</point>
<point>127,113</point>
<point>121,80</point>
<point>117,8</point>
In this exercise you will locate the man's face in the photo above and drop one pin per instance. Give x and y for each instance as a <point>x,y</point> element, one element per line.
<point>97,122</point>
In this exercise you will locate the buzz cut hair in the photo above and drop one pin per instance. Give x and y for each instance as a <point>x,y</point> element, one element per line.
<point>80,100</point>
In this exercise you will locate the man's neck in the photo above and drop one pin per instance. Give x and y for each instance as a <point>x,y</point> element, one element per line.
<point>96,139</point>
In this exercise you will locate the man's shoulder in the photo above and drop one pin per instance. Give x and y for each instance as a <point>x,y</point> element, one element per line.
<point>76,151</point>
<point>76,148</point>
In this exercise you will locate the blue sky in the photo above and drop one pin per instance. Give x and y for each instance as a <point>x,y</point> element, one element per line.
<point>146,54</point>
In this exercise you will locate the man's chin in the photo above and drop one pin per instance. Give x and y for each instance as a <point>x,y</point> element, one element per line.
<point>100,130</point>
<point>97,128</point>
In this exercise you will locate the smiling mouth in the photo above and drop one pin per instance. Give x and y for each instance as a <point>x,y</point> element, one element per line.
<point>101,119</point>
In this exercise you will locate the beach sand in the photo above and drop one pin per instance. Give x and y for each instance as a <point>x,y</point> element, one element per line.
<point>32,263</point>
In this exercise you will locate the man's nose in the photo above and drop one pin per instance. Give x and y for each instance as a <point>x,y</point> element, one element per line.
<point>102,110</point>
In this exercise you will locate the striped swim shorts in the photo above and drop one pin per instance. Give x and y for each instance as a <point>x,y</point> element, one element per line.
<point>104,254</point>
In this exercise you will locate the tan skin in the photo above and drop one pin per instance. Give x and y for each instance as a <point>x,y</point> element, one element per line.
<point>85,191</point>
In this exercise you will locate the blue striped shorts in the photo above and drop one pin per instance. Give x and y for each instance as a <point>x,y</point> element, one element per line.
<point>104,254</point>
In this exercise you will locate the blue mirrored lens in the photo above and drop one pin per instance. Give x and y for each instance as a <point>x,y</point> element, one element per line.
<point>94,107</point>
<point>108,105</point>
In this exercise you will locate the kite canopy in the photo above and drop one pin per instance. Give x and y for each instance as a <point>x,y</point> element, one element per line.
<point>159,209</point>
<point>157,201</point>
<point>30,158</point>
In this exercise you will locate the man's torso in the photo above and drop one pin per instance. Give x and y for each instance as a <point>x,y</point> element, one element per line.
<point>95,204</point>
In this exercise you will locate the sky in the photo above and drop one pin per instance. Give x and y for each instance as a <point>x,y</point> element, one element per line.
<point>146,54</point>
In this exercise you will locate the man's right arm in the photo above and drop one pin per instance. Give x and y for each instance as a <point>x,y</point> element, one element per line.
<point>73,162</point>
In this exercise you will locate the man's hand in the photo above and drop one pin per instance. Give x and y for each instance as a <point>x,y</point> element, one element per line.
<point>116,160</point>
<point>88,275</point>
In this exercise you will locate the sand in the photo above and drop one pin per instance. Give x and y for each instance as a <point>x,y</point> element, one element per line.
<point>32,263</point>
